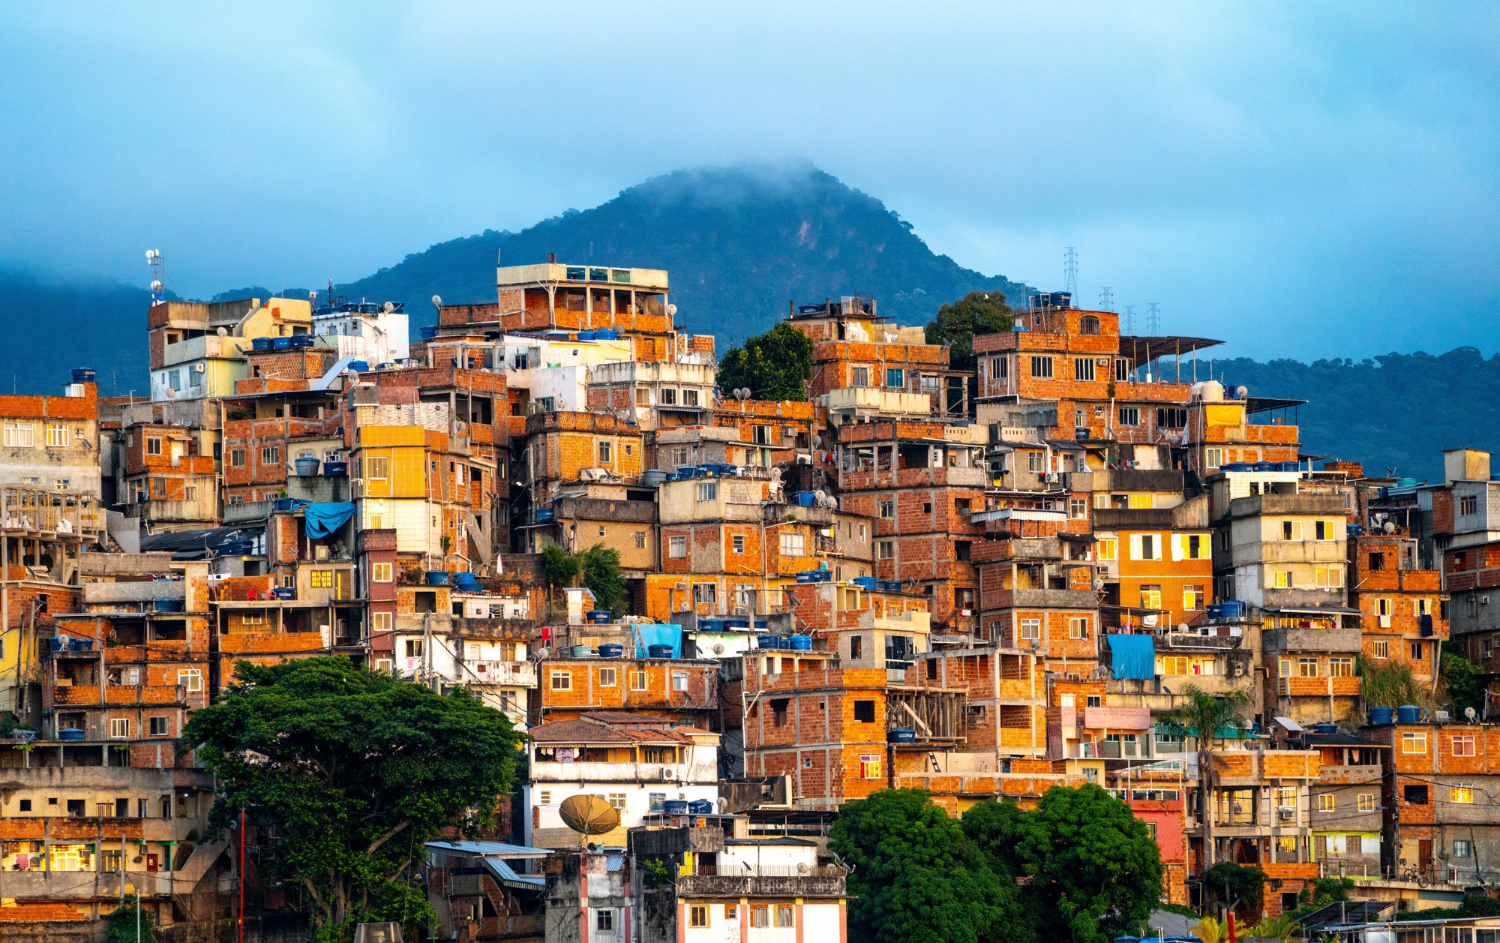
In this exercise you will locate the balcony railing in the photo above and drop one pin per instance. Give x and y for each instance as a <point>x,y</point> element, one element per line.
<point>553,772</point>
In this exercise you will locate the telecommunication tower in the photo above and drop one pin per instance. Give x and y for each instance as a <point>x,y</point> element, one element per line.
<point>158,274</point>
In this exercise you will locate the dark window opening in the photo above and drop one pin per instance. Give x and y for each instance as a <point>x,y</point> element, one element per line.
<point>864,712</point>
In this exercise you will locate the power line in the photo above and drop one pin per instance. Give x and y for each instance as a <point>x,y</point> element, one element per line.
<point>1153,319</point>
<point>1070,270</point>
<point>1106,299</point>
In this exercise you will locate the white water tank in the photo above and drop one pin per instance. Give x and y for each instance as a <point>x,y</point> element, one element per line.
<point>1211,391</point>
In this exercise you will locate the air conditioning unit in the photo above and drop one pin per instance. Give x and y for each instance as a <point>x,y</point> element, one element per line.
<point>741,611</point>
<point>1285,812</point>
<point>1050,477</point>
<point>666,775</point>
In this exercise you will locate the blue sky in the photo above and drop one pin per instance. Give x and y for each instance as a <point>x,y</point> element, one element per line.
<point>1301,179</point>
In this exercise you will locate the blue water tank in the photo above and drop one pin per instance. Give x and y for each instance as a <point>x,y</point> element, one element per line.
<point>585,335</point>
<point>598,616</point>
<point>261,343</point>
<point>1408,714</point>
<point>803,499</point>
<point>1380,716</point>
<point>428,333</point>
<point>1325,728</point>
<point>608,334</point>
<point>83,375</point>
<point>281,343</point>
<point>890,586</point>
<point>335,469</point>
<point>169,605</point>
<point>72,734</point>
<point>437,577</point>
<point>902,735</point>
<point>1232,609</point>
<point>800,643</point>
<point>675,807</point>
<point>736,623</point>
<point>768,641</point>
<point>611,650</point>
<point>285,592</point>
<point>82,645</point>
<point>58,644</point>
<point>302,340</point>
<point>701,807</point>
<point>359,366</point>
<point>866,582</point>
<point>659,651</point>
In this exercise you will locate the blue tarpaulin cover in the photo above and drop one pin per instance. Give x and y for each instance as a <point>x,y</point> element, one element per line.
<point>1133,656</point>
<point>324,518</point>
<point>649,634</point>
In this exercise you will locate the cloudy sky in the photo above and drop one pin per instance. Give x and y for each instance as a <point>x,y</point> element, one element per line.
<point>1302,179</point>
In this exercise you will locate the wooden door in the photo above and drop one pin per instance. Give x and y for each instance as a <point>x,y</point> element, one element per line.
<point>153,863</point>
<point>1424,855</point>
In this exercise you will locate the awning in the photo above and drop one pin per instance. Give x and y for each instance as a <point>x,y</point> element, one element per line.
<point>323,518</point>
<point>658,634</point>
<point>1323,611</point>
<point>1133,656</point>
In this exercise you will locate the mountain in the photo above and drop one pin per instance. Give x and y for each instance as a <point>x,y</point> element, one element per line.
<point>739,242</point>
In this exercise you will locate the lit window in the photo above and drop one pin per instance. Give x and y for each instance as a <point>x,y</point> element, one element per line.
<point>381,572</point>
<point>321,579</point>
<point>1414,743</point>
<point>1461,792</point>
<point>1325,802</point>
<point>1366,801</point>
<point>1463,745</point>
<point>698,915</point>
<point>1105,549</point>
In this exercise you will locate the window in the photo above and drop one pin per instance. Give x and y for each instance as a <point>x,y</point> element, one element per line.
<point>19,435</point>
<point>1213,458</point>
<point>738,543</point>
<point>1307,667</point>
<point>1192,598</point>
<point>1291,530</point>
<point>608,677</point>
<point>1322,530</point>
<point>1341,667</point>
<point>637,680</point>
<point>642,396</point>
<point>321,579</point>
<point>760,435</point>
<point>1417,651</point>
<point>886,549</point>
<point>1078,627</point>
<point>1105,549</point>
<point>731,912</point>
<point>656,801</point>
<point>793,544</point>
<point>380,621</point>
<point>677,547</point>
<point>270,455</point>
<point>562,680</point>
<point>864,712</point>
<point>617,799</point>
<point>706,593</point>
<point>1365,801</point>
<point>1463,745</point>
<point>158,726</point>
<point>1041,368</point>
<point>1083,368</point>
<point>192,679</point>
<point>1170,417</point>
<point>708,491</point>
<point>760,915</point>
<point>1150,597</point>
<point>1130,416</point>
<point>640,540</point>
<point>667,396</point>
<point>860,376</point>
<point>153,443</point>
<point>119,728</point>
<point>159,487</point>
<point>895,378</point>
<point>784,915</point>
<point>679,680</point>
<point>1468,504</point>
<point>1194,547</point>
<point>1077,508</point>
<point>605,453</point>
<point>1414,742</point>
<point>999,368</point>
<point>604,920</point>
<point>236,458</point>
<point>415,648</point>
<point>1414,794</point>
<point>1030,629</point>
<point>778,708</point>
<point>1461,792</point>
<point>1285,796</point>
<point>1149,549</point>
<point>381,572</point>
<point>1380,649</point>
<point>1325,802</point>
<point>1463,848</point>
<point>1329,577</point>
<point>870,766</point>
<point>1281,579</point>
<point>698,915</point>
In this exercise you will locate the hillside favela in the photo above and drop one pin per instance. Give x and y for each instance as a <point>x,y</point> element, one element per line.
<point>552,623</point>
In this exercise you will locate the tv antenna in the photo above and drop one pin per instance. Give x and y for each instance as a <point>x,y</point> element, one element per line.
<point>1153,319</point>
<point>1070,270</point>
<point>1106,299</point>
<point>158,265</point>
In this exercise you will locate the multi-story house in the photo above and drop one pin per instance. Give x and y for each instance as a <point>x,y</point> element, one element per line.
<point>638,764</point>
<point>198,351</point>
<point>52,442</point>
<point>1401,609</point>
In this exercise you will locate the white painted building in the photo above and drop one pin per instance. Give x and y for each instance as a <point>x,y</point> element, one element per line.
<point>366,331</point>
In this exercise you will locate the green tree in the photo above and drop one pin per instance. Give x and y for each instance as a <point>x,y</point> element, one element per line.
<point>354,770</point>
<point>1207,718</point>
<point>1095,871</point>
<point>129,922</point>
<point>1462,680</point>
<point>1229,884</point>
<point>559,567</point>
<point>956,324</point>
<point>917,878</point>
<point>600,568</point>
<point>773,365</point>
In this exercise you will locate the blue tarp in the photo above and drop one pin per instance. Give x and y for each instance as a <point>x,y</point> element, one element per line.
<point>1134,656</point>
<point>324,518</point>
<point>650,634</point>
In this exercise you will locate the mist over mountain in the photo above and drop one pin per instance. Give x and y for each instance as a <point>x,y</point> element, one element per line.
<point>740,243</point>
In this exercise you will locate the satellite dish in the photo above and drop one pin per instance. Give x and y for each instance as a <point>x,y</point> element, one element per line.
<point>437,301</point>
<point>1182,626</point>
<point>1389,527</point>
<point>223,332</point>
<point>719,650</point>
<point>151,254</point>
<point>388,307</point>
<point>312,296</point>
<point>589,815</point>
<point>671,309</point>
<point>817,440</point>
<point>156,285</point>
<point>818,496</point>
<point>1241,392</point>
<point>1469,713</point>
<point>742,394</point>
<point>801,868</point>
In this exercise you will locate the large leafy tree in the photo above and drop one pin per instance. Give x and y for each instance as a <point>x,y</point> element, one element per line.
<point>917,878</point>
<point>354,771</point>
<point>956,323</point>
<point>1095,871</point>
<point>1207,719</point>
<point>1242,887</point>
<point>600,568</point>
<point>773,365</point>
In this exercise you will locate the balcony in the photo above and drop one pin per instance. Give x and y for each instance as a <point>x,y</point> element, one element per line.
<point>1318,687</point>
<point>774,883</point>
<point>517,673</point>
<point>552,772</point>
<point>1294,641</point>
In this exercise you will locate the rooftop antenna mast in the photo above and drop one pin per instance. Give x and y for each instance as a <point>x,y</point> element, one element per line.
<point>1153,319</point>
<point>158,274</point>
<point>1106,299</point>
<point>1070,270</point>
